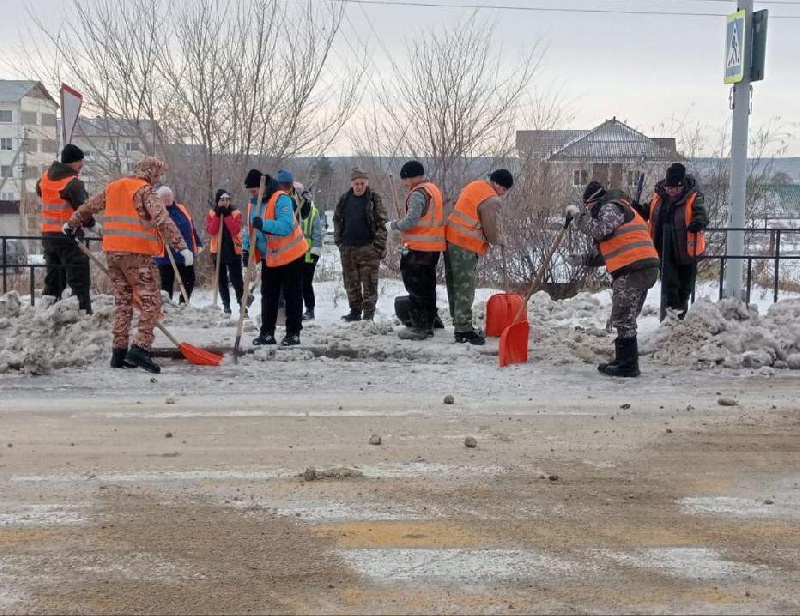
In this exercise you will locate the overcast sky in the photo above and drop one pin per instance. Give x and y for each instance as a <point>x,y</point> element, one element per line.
<point>643,69</point>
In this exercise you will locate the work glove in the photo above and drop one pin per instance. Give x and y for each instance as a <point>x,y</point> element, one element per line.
<point>70,232</point>
<point>572,211</point>
<point>694,227</point>
<point>258,223</point>
<point>188,257</point>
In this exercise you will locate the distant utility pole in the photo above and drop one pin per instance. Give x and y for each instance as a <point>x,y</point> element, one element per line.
<point>737,72</point>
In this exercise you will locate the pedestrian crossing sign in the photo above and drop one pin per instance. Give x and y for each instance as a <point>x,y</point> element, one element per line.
<point>735,47</point>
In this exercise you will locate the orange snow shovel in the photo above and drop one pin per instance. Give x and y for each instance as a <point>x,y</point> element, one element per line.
<point>193,354</point>
<point>514,340</point>
<point>502,307</point>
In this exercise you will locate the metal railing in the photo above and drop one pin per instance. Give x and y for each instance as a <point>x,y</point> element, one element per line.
<point>8,262</point>
<point>774,252</point>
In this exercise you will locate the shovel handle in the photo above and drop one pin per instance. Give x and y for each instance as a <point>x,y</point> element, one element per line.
<point>175,269</point>
<point>251,255</point>
<point>219,260</point>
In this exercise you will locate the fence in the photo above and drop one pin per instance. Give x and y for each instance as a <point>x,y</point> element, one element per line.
<point>14,258</point>
<point>775,251</point>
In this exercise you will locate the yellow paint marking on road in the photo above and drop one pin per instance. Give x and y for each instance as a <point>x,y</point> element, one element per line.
<point>402,534</point>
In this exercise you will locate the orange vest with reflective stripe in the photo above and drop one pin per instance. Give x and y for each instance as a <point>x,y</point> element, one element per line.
<point>428,235</point>
<point>123,230</point>
<point>283,249</point>
<point>629,243</point>
<point>237,240</point>
<point>695,242</point>
<point>55,210</point>
<point>464,225</point>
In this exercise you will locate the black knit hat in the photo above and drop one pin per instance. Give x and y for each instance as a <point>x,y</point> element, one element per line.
<point>412,169</point>
<point>502,177</point>
<point>220,192</point>
<point>676,175</point>
<point>253,179</point>
<point>594,191</point>
<point>71,154</point>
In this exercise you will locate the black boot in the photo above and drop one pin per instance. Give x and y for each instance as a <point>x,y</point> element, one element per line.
<point>118,359</point>
<point>628,359</point>
<point>290,340</point>
<point>617,355</point>
<point>354,315</point>
<point>369,315</point>
<point>142,358</point>
<point>308,315</point>
<point>471,337</point>
<point>265,339</point>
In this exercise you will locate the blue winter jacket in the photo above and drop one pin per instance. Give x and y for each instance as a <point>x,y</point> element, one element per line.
<point>283,224</point>
<point>186,227</point>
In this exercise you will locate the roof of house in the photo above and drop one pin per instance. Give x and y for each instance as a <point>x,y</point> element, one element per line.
<point>13,91</point>
<point>112,127</point>
<point>611,141</point>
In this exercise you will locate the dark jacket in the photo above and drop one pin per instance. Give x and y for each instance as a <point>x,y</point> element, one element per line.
<point>73,193</point>
<point>186,227</point>
<point>674,213</point>
<point>376,216</point>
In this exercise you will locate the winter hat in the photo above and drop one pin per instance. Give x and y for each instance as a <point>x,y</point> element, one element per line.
<point>253,179</point>
<point>594,191</point>
<point>412,169</point>
<point>221,193</point>
<point>676,175</point>
<point>358,174</point>
<point>150,169</point>
<point>71,154</point>
<point>502,177</point>
<point>285,176</point>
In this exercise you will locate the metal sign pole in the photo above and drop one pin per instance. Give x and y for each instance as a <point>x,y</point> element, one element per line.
<point>739,140</point>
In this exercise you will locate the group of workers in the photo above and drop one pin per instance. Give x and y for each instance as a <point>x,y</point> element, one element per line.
<point>284,232</point>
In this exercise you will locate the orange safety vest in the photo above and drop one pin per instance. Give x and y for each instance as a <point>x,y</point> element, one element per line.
<point>55,210</point>
<point>695,242</point>
<point>185,212</point>
<point>284,249</point>
<point>428,235</point>
<point>123,229</point>
<point>629,243</point>
<point>237,240</point>
<point>463,225</point>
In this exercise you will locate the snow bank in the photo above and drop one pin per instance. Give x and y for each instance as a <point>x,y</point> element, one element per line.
<point>732,335</point>
<point>37,340</point>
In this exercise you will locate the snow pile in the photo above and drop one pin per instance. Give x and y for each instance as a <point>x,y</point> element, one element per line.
<point>37,340</point>
<point>732,335</point>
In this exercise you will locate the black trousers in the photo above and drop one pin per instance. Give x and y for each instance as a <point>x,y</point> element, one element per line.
<point>66,265</point>
<point>309,299</point>
<point>230,273</point>
<point>678,285</point>
<point>168,279</point>
<point>287,280</point>
<point>419,276</point>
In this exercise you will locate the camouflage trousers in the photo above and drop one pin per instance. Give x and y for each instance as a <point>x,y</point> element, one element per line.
<point>134,274</point>
<point>460,269</point>
<point>360,266</point>
<point>628,293</point>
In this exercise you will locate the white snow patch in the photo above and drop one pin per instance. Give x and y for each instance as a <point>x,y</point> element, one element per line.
<point>686,563</point>
<point>739,507</point>
<point>464,566</point>
<point>44,515</point>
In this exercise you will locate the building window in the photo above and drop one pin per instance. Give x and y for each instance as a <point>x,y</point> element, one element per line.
<point>132,146</point>
<point>580,177</point>
<point>5,171</point>
<point>7,196</point>
<point>6,116</point>
<point>30,118</point>
<point>49,146</point>
<point>49,120</point>
<point>7,144</point>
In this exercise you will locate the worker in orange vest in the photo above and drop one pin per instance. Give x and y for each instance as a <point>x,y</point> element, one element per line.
<point>281,247</point>
<point>472,227</point>
<point>623,244</point>
<point>423,242</point>
<point>134,217</point>
<point>62,192</point>
<point>677,217</point>
<point>230,252</point>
